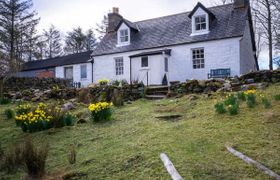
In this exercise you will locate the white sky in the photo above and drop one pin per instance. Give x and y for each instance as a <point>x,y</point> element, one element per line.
<point>68,14</point>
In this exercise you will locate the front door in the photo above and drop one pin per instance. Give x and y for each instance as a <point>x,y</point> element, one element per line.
<point>68,73</point>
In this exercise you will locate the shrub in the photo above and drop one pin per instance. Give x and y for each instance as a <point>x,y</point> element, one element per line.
<point>220,108</point>
<point>233,109</point>
<point>277,97</point>
<point>72,156</point>
<point>241,96</point>
<point>13,158</point>
<point>100,111</point>
<point>9,113</point>
<point>5,101</point>
<point>35,159</point>
<point>230,100</point>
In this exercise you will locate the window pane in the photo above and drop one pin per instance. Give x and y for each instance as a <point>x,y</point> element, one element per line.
<point>83,71</point>
<point>144,62</point>
<point>198,58</point>
<point>119,66</point>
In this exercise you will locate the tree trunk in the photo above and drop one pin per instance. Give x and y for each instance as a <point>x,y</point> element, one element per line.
<point>1,88</point>
<point>270,40</point>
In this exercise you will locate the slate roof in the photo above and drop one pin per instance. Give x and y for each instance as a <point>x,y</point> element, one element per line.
<point>58,61</point>
<point>176,29</point>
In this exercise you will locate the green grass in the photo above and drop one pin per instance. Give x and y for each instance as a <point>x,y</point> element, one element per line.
<point>128,147</point>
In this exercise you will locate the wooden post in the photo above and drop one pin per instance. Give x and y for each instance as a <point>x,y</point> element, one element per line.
<point>255,163</point>
<point>170,167</point>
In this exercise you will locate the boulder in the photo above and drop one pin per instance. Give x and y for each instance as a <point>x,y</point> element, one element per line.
<point>68,106</point>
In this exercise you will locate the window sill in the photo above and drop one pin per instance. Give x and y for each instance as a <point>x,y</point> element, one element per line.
<point>84,79</point>
<point>145,69</point>
<point>123,44</point>
<point>197,33</point>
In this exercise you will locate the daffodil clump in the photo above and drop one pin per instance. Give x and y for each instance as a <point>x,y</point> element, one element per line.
<point>100,111</point>
<point>32,120</point>
<point>103,82</point>
<point>251,98</point>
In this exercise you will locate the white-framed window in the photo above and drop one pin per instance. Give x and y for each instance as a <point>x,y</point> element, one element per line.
<point>83,71</point>
<point>198,58</point>
<point>144,62</point>
<point>119,66</point>
<point>200,23</point>
<point>124,38</point>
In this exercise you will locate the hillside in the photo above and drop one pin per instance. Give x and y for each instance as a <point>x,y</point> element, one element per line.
<point>128,147</point>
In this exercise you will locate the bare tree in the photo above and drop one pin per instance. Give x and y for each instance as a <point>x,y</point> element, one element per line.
<point>102,27</point>
<point>266,14</point>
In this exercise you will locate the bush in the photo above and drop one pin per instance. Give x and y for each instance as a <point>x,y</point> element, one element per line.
<point>100,111</point>
<point>103,82</point>
<point>72,156</point>
<point>35,159</point>
<point>9,113</point>
<point>230,100</point>
<point>233,109</point>
<point>241,96</point>
<point>5,101</point>
<point>220,108</point>
<point>277,97</point>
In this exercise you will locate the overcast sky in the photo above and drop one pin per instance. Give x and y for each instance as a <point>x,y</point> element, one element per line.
<point>68,14</point>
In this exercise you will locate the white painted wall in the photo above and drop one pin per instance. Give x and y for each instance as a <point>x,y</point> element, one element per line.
<point>247,58</point>
<point>218,54</point>
<point>59,73</point>
<point>155,70</point>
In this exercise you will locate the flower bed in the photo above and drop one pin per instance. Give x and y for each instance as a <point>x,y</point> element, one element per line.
<point>41,117</point>
<point>100,111</point>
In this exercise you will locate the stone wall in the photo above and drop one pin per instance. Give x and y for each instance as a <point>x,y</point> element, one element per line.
<point>26,83</point>
<point>262,76</point>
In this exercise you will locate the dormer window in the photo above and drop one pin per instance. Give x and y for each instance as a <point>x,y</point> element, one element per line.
<point>200,23</point>
<point>201,19</point>
<point>124,36</point>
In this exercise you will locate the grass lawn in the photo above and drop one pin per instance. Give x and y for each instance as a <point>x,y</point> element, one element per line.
<point>128,147</point>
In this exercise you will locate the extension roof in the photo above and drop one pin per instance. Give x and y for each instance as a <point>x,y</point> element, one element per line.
<point>58,61</point>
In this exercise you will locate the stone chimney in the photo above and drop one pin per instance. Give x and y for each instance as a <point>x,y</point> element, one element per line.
<point>240,3</point>
<point>114,18</point>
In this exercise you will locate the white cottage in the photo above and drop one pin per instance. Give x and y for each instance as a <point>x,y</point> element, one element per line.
<point>204,43</point>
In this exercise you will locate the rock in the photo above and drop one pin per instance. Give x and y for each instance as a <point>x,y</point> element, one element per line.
<point>227,86</point>
<point>68,106</point>
<point>128,102</point>
<point>254,86</point>
<point>192,97</point>
<point>249,81</point>
<point>81,121</point>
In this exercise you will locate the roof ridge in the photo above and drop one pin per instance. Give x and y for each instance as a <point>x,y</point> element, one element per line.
<point>187,12</point>
<point>49,59</point>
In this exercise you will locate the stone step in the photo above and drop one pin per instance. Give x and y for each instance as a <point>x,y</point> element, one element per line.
<point>155,97</point>
<point>156,92</point>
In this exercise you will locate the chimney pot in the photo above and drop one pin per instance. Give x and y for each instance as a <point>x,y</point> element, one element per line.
<point>116,10</point>
<point>240,3</point>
